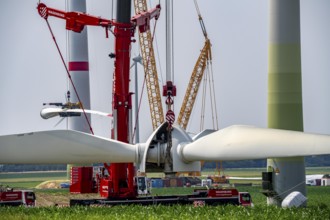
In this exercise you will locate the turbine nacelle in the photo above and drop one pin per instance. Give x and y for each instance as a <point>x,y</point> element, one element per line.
<point>154,157</point>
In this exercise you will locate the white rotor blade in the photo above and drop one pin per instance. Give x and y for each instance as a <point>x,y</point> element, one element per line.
<point>59,122</point>
<point>47,113</point>
<point>63,146</point>
<point>245,143</point>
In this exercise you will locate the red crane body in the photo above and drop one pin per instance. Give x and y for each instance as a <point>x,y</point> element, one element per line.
<point>120,182</point>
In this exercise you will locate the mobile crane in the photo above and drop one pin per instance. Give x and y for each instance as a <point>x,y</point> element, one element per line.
<point>121,186</point>
<point>120,181</point>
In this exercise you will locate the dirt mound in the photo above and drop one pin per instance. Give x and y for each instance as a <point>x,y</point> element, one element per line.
<point>51,184</point>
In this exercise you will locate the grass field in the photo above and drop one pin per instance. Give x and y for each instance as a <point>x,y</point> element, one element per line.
<point>318,202</point>
<point>165,212</point>
<point>29,179</point>
<point>317,209</point>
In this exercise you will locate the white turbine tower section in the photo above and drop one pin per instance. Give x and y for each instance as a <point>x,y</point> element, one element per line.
<point>79,69</point>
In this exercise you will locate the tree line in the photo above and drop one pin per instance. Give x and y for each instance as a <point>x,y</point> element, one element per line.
<point>311,161</point>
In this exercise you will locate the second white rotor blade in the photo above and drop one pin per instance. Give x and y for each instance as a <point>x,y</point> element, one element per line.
<point>63,146</point>
<point>244,143</point>
<point>47,113</point>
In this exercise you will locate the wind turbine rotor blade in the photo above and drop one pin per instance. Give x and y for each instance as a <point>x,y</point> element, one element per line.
<point>63,146</point>
<point>47,113</point>
<point>59,122</point>
<point>245,143</point>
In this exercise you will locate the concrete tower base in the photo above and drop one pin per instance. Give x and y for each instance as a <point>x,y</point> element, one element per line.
<point>288,176</point>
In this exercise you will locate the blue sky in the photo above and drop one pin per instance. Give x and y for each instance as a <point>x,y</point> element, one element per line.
<point>31,71</point>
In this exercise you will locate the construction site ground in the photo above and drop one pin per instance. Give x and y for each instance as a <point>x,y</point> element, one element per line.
<point>49,193</point>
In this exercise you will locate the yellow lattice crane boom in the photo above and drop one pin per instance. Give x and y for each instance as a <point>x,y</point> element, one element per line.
<point>150,70</point>
<point>196,76</point>
<point>203,60</point>
<point>193,86</point>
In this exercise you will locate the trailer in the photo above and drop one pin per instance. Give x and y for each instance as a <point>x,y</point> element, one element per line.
<point>200,197</point>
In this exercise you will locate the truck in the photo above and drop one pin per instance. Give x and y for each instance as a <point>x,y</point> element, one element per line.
<point>10,197</point>
<point>223,196</point>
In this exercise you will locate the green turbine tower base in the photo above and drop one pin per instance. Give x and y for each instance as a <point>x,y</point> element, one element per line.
<point>285,93</point>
